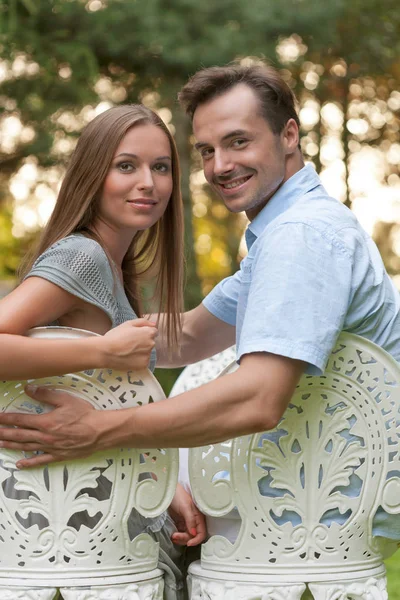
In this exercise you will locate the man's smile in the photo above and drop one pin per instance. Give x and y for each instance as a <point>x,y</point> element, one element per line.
<point>233,184</point>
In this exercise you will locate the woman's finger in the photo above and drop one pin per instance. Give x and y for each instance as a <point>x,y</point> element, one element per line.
<point>181,538</point>
<point>201,529</point>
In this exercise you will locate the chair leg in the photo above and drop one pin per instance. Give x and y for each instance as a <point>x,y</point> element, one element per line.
<point>22,593</point>
<point>373,587</point>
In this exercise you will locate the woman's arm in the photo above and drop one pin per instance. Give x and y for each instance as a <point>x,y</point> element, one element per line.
<point>39,302</point>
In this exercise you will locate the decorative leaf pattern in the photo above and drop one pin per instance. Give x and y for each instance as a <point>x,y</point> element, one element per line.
<point>71,520</point>
<point>307,492</point>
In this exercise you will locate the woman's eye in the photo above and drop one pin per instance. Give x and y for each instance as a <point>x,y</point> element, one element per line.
<point>162,168</point>
<point>125,167</point>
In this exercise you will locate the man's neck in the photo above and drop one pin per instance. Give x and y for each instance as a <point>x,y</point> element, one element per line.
<point>294,164</point>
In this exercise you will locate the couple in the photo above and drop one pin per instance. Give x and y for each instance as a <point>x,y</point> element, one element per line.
<point>311,272</point>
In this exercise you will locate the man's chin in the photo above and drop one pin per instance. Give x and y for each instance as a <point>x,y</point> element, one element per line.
<point>233,204</point>
<point>236,205</point>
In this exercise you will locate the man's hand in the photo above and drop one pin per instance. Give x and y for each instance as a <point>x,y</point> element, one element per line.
<point>128,346</point>
<point>68,432</point>
<point>189,521</point>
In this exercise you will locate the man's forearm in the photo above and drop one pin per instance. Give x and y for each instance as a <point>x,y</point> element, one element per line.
<point>202,335</point>
<point>194,418</point>
<point>224,408</point>
<point>251,399</point>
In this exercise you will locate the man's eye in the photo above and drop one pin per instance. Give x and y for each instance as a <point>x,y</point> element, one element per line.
<point>125,167</point>
<point>239,142</point>
<point>207,152</point>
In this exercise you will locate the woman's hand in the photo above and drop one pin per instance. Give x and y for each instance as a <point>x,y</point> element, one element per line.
<point>129,345</point>
<point>189,521</point>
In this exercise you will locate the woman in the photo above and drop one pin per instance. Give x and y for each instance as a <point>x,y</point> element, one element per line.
<point>117,222</point>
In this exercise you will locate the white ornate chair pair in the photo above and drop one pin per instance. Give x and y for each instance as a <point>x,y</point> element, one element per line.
<point>304,495</point>
<point>67,528</point>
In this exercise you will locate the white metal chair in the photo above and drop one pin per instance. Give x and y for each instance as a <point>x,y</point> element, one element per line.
<point>67,527</point>
<point>307,492</point>
<point>192,377</point>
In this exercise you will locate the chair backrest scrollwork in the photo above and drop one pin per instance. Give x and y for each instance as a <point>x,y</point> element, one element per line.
<point>84,518</point>
<point>307,491</point>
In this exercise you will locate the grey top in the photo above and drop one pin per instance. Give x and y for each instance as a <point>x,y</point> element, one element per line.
<point>80,266</point>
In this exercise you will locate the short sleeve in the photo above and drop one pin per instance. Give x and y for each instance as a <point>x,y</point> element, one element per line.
<point>298,296</point>
<point>222,301</point>
<point>80,266</point>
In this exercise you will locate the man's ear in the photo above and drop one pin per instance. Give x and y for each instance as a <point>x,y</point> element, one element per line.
<point>291,136</point>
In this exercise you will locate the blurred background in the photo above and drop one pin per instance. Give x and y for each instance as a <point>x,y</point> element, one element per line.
<point>64,61</point>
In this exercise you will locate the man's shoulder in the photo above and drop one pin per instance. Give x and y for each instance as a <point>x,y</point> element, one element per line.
<point>322,215</point>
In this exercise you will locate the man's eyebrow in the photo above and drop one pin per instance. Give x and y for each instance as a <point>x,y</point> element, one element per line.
<point>136,156</point>
<point>229,135</point>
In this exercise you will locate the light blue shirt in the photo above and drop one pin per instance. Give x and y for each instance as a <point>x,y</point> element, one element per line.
<point>311,272</point>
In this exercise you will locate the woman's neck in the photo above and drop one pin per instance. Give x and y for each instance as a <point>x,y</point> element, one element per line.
<point>116,242</point>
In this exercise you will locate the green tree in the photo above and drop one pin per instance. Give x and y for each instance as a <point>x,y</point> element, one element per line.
<point>63,56</point>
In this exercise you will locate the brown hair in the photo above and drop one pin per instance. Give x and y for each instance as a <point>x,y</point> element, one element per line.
<point>277,100</point>
<point>158,249</point>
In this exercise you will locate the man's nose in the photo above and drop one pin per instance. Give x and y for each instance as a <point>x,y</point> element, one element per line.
<point>223,163</point>
<point>146,181</point>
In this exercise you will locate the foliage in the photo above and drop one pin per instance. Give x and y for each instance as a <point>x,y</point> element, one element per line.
<point>63,57</point>
<point>393,576</point>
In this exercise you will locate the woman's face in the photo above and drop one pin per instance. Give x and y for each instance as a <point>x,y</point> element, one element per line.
<point>138,184</point>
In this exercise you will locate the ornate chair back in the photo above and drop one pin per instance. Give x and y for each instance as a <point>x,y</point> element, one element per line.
<point>308,491</point>
<point>78,523</point>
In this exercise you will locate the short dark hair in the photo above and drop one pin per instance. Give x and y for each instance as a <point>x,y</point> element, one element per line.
<point>277,101</point>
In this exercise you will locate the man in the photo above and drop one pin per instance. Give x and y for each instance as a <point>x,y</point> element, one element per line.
<point>311,271</point>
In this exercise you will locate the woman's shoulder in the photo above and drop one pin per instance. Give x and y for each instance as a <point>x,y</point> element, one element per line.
<point>78,243</point>
<point>76,252</point>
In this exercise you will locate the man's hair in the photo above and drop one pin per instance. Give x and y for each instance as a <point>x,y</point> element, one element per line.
<point>277,101</point>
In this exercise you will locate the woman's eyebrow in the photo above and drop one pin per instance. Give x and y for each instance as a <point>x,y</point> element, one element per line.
<point>136,156</point>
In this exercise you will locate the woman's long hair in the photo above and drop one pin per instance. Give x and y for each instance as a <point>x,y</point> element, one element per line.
<point>156,252</point>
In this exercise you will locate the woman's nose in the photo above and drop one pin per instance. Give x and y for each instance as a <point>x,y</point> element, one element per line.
<point>146,181</point>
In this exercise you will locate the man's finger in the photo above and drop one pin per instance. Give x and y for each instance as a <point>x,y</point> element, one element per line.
<point>23,436</point>
<point>25,447</point>
<point>36,461</point>
<point>18,420</point>
<point>48,395</point>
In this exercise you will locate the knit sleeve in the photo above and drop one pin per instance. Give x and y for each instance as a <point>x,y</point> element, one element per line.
<point>80,266</point>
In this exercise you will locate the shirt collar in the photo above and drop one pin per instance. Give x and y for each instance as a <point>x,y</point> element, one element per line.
<point>288,194</point>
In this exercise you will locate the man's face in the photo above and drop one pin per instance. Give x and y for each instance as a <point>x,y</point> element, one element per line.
<point>243,160</point>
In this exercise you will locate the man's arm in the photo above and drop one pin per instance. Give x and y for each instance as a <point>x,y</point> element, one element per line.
<point>251,399</point>
<point>202,335</point>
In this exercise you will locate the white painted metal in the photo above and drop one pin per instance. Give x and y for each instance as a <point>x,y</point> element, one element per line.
<point>203,371</point>
<point>304,529</point>
<point>68,525</point>
<point>192,377</point>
